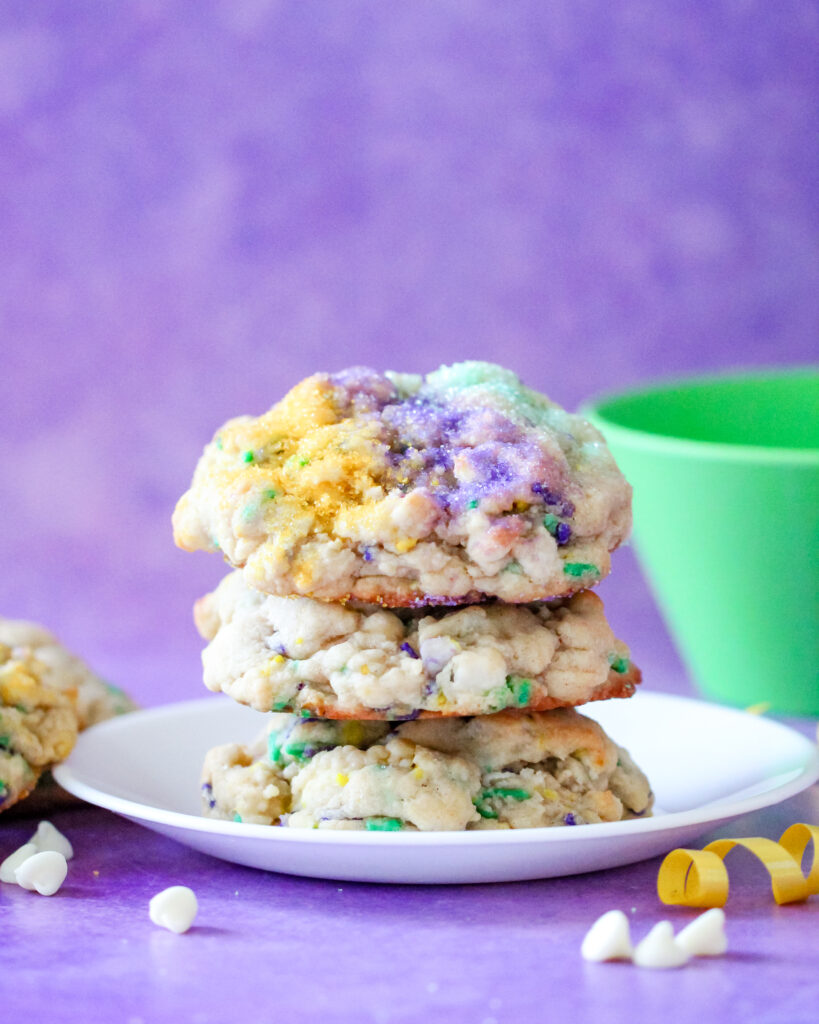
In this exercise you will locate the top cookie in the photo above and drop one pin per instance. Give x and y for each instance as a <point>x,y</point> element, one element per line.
<point>405,490</point>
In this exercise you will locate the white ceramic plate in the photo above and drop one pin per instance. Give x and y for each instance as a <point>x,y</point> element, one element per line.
<point>707,764</point>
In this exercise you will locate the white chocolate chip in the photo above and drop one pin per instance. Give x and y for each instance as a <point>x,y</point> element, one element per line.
<point>608,938</point>
<point>705,935</point>
<point>47,837</point>
<point>14,860</point>
<point>659,949</point>
<point>174,908</point>
<point>44,872</point>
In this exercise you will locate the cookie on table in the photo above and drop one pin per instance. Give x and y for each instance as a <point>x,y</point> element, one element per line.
<point>335,661</point>
<point>38,725</point>
<point>404,490</point>
<point>509,770</point>
<point>96,700</point>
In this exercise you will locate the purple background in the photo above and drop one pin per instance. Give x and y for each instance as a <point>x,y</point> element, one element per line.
<point>203,203</point>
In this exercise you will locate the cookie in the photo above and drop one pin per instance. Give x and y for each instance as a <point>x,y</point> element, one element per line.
<point>96,700</point>
<point>404,490</point>
<point>38,725</point>
<point>509,770</point>
<point>336,661</point>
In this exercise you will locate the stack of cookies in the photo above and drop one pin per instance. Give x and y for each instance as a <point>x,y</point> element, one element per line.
<point>410,606</point>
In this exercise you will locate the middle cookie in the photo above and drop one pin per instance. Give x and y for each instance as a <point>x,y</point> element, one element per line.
<point>335,661</point>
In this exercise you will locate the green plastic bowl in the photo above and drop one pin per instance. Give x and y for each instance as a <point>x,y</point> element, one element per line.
<point>725,473</point>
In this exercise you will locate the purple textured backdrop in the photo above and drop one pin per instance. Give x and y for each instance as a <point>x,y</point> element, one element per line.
<point>202,203</point>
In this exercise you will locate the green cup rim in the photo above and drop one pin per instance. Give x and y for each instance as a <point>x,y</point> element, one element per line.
<point>594,410</point>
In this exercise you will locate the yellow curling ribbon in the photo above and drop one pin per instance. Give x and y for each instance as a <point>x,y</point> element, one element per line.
<point>699,878</point>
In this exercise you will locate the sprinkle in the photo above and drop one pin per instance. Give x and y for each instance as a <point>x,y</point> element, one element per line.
<point>281,705</point>
<point>342,779</point>
<point>483,810</point>
<point>550,794</point>
<point>580,569</point>
<point>379,824</point>
<point>237,817</point>
<point>247,456</point>
<point>269,494</point>
<point>505,794</point>
<point>304,462</point>
<point>405,544</point>
<point>408,649</point>
<point>364,670</point>
<point>299,640</point>
<point>473,503</point>
<point>513,567</point>
<point>278,659</point>
<point>417,773</point>
<point>520,690</point>
<point>219,444</point>
<point>569,819</point>
<point>618,664</point>
<point>368,555</point>
<point>550,522</point>
<point>563,534</point>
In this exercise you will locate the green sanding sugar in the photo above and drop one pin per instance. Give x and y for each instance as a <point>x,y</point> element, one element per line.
<point>580,569</point>
<point>379,824</point>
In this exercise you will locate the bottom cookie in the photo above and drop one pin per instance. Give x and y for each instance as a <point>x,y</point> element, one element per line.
<point>508,770</point>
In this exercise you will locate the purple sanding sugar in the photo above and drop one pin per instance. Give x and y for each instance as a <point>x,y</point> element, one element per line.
<point>410,650</point>
<point>563,533</point>
<point>569,819</point>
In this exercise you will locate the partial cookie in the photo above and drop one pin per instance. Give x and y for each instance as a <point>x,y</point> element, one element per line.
<point>38,725</point>
<point>510,770</point>
<point>298,654</point>
<point>404,490</point>
<point>96,700</point>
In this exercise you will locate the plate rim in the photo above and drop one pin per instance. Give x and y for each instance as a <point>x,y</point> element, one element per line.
<point>794,781</point>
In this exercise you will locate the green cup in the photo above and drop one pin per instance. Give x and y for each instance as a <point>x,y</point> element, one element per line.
<point>725,473</point>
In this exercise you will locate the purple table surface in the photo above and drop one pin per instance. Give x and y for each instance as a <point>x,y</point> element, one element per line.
<point>203,203</point>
